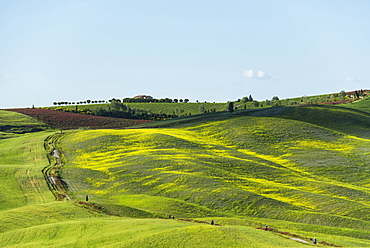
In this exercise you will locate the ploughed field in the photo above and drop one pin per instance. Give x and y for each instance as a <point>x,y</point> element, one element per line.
<point>303,171</point>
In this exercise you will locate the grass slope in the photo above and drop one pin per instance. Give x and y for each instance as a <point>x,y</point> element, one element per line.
<point>279,164</point>
<point>362,105</point>
<point>158,108</point>
<point>21,161</point>
<point>341,119</point>
<point>12,124</point>
<point>122,232</point>
<point>16,119</point>
<point>302,170</point>
<point>30,217</point>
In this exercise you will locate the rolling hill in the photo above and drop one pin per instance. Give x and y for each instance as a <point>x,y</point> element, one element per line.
<point>277,163</point>
<point>301,170</point>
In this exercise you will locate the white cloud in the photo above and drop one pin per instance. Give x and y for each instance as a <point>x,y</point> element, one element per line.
<point>9,77</point>
<point>261,75</point>
<point>352,79</point>
<point>248,73</point>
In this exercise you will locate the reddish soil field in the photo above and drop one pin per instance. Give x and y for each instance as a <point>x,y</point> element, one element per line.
<point>65,120</point>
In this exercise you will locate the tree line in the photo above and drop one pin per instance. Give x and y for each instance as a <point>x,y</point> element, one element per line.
<point>167,100</point>
<point>127,100</point>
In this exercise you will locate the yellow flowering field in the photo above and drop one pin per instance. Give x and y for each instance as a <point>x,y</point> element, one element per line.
<point>245,166</point>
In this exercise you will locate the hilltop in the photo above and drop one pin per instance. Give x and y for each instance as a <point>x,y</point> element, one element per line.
<point>159,109</point>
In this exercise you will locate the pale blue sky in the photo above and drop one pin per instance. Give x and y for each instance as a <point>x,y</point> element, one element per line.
<point>215,50</point>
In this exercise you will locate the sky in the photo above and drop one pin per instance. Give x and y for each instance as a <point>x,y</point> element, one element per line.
<point>215,51</point>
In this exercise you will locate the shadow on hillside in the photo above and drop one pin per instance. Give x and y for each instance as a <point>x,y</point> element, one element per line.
<point>340,119</point>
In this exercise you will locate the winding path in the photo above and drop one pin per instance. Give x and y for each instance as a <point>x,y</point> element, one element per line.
<point>55,183</point>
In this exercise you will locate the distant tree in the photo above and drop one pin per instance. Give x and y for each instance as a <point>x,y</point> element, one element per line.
<point>342,94</point>
<point>118,106</point>
<point>181,100</point>
<point>245,99</point>
<point>55,103</point>
<point>250,98</point>
<point>230,107</point>
<point>275,98</point>
<point>176,100</point>
<point>357,94</point>
<point>186,100</point>
<point>88,101</point>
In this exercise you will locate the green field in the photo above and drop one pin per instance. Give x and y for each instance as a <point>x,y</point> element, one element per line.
<point>12,124</point>
<point>31,217</point>
<point>302,170</point>
<point>277,164</point>
<point>179,109</point>
<point>362,105</point>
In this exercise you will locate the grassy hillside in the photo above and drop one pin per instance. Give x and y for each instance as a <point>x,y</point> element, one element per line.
<point>178,109</point>
<point>31,217</point>
<point>341,119</point>
<point>15,119</point>
<point>303,165</point>
<point>12,124</point>
<point>302,170</point>
<point>124,232</point>
<point>21,161</point>
<point>362,105</point>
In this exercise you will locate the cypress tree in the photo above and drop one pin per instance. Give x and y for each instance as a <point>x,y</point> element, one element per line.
<point>230,107</point>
